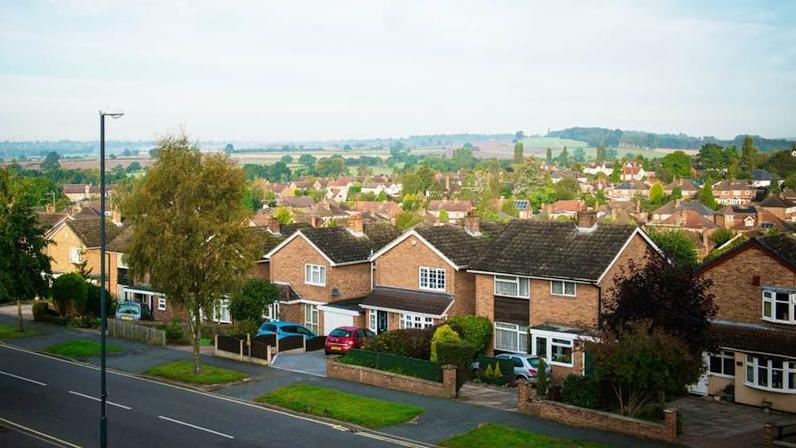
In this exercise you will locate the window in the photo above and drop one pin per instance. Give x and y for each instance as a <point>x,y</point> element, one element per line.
<point>121,277</point>
<point>511,286</point>
<point>777,374</point>
<point>315,274</point>
<point>162,304</point>
<point>511,337</point>
<point>722,363</point>
<point>121,261</point>
<point>779,306</point>
<point>432,278</point>
<point>271,312</point>
<point>372,320</point>
<point>75,255</point>
<point>221,312</point>
<point>559,350</point>
<point>416,321</point>
<point>311,317</point>
<point>562,288</point>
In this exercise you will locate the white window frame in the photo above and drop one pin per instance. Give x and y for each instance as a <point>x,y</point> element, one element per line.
<point>562,341</point>
<point>516,281</point>
<point>520,333</point>
<point>754,363</point>
<point>312,318</point>
<point>161,303</point>
<point>372,321</point>
<point>121,262</point>
<point>310,270</point>
<point>271,312</point>
<point>219,310</point>
<point>722,355</point>
<point>75,255</point>
<point>563,292</point>
<point>416,321</point>
<point>769,297</point>
<point>440,282</point>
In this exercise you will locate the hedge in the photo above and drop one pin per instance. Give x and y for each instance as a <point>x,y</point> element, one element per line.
<point>476,330</point>
<point>410,342</point>
<point>460,354</point>
<point>402,365</point>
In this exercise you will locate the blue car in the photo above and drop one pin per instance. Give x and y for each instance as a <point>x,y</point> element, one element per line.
<point>284,329</point>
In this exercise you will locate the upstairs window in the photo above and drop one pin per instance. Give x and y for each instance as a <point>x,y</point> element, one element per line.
<point>432,278</point>
<point>75,255</point>
<point>562,288</point>
<point>511,286</point>
<point>315,274</point>
<point>779,306</point>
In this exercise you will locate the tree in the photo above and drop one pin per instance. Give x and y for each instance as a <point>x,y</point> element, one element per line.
<point>135,166</point>
<point>518,152</point>
<point>563,157</point>
<point>250,302</point>
<point>677,193</point>
<point>616,173</point>
<point>673,298</point>
<point>566,188</point>
<point>721,235</point>
<point>657,196</point>
<point>712,157</point>
<point>528,177</point>
<point>519,135</point>
<point>51,161</point>
<point>600,156</point>
<point>253,197</point>
<point>678,163</point>
<point>549,155</point>
<point>306,160</point>
<point>676,245</point>
<point>748,157</point>
<point>443,216</point>
<point>70,293</point>
<point>24,267</point>
<point>284,216</point>
<point>579,155</point>
<point>705,195</point>
<point>405,220</point>
<point>229,149</point>
<point>287,158</point>
<point>187,215</point>
<point>331,167</point>
<point>154,153</point>
<point>611,154</point>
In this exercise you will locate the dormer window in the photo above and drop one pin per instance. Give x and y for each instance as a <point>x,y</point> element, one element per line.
<point>779,305</point>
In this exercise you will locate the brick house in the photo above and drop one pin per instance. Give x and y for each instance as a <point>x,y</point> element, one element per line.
<point>688,188</point>
<point>328,272</point>
<point>421,277</point>
<point>544,283</point>
<point>734,192</point>
<point>455,209</point>
<point>755,293</point>
<point>76,242</point>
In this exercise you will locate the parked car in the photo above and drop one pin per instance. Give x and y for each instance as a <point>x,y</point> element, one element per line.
<point>284,329</point>
<point>343,339</point>
<point>525,366</point>
<point>133,311</point>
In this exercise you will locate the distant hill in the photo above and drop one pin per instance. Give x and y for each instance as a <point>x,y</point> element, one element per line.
<point>616,137</point>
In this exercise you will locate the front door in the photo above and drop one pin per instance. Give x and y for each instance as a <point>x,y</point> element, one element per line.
<point>701,386</point>
<point>381,321</point>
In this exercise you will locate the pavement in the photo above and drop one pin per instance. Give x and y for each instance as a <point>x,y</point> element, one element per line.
<point>227,410</point>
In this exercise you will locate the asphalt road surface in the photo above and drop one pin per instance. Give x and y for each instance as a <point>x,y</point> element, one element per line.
<point>46,401</point>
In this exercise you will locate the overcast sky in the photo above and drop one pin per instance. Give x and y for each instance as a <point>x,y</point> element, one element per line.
<point>229,70</point>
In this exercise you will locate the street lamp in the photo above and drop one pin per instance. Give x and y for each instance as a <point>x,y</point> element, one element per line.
<point>103,311</point>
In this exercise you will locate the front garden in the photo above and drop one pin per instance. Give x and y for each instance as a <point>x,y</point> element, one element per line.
<point>12,332</point>
<point>183,371</point>
<point>81,348</point>
<point>504,436</point>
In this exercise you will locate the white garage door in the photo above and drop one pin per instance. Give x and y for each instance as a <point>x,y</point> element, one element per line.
<point>332,320</point>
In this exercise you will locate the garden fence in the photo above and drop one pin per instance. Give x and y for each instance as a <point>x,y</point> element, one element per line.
<point>141,333</point>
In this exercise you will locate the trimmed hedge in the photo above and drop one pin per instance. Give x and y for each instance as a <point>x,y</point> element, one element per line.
<point>402,365</point>
<point>410,342</point>
<point>93,301</point>
<point>476,330</point>
<point>460,354</point>
<point>70,293</point>
<point>581,391</point>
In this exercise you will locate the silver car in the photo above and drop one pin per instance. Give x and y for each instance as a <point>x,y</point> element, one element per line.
<point>525,366</point>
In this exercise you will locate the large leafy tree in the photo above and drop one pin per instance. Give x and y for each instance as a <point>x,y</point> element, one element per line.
<point>528,177</point>
<point>676,244</point>
<point>189,236</point>
<point>678,163</point>
<point>249,303</point>
<point>748,157</point>
<point>518,152</point>
<point>24,267</point>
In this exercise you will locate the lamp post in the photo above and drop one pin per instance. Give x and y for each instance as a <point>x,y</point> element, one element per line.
<point>103,311</point>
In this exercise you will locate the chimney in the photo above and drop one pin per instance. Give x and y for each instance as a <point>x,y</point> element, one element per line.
<point>315,221</point>
<point>638,206</point>
<point>273,225</point>
<point>447,182</point>
<point>587,220</point>
<point>471,223</point>
<point>355,225</point>
<point>116,217</point>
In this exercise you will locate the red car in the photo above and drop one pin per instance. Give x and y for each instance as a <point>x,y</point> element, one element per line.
<point>343,339</point>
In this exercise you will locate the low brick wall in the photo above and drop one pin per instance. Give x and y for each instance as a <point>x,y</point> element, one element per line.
<point>394,381</point>
<point>590,418</point>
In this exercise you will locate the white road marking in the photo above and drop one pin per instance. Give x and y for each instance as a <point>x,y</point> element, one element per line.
<point>40,435</point>
<point>97,399</point>
<point>196,427</point>
<point>23,378</point>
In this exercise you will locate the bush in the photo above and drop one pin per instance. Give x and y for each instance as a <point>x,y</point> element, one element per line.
<point>93,301</point>
<point>70,294</point>
<point>244,327</point>
<point>460,354</point>
<point>250,302</point>
<point>541,378</point>
<point>174,330</point>
<point>41,309</point>
<point>410,342</point>
<point>444,334</point>
<point>476,330</point>
<point>581,391</point>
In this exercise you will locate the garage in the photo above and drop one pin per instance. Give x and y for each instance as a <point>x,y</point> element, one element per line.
<point>344,313</point>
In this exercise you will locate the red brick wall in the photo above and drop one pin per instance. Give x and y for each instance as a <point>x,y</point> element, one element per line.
<point>261,270</point>
<point>387,380</point>
<point>736,297</point>
<point>638,250</point>
<point>580,310</point>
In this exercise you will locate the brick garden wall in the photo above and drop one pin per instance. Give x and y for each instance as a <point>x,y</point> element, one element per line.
<point>388,380</point>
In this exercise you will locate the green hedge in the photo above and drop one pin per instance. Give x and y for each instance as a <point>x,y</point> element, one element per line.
<point>476,330</point>
<point>410,342</point>
<point>581,391</point>
<point>403,365</point>
<point>460,354</point>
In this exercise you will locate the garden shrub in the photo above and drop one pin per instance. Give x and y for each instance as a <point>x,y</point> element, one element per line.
<point>93,301</point>
<point>410,342</point>
<point>70,294</point>
<point>244,327</point>
<point>541,378</point>
<point>444,334</point>
<point>460,354</point>
<point>41,309</point>
<point>174,330</point>
<point>581,391</point>
<point>250,302</point>
<point>476,330</point>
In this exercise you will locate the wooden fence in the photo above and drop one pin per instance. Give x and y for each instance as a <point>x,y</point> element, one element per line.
<point>141,333</point>
<point>260,349</point>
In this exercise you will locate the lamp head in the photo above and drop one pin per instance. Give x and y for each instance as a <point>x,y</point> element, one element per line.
<point>112,114</point>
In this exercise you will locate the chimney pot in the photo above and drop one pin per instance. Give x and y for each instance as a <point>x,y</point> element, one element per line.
<point>273,224</point>
<point>471,222</point>
<point>355,225</point>
<point>586,219</point>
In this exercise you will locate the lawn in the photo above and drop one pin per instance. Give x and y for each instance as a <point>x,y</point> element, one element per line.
<point>81,348</point>
<point>183,371</point>
<point>10,332</point>
<point>331,403</point>
<point>497,436</point>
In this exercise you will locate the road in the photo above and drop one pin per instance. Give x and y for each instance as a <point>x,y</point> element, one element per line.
<point>55,402</point>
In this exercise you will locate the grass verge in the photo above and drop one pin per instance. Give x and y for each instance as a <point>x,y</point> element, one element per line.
<point>183,371</point>
<point>331,403</point>
<point>81,348</point>
<point>10,332</point>
<point>498,436</point>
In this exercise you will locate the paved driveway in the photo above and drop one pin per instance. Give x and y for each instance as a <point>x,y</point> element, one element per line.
<point>313,363</point>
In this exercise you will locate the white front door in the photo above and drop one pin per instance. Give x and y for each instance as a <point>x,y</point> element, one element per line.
<point>701,386</point>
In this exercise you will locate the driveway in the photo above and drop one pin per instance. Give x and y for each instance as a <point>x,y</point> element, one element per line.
<point>313,363</point>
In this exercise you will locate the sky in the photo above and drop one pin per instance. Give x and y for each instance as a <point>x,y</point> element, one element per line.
<point>299,71</point>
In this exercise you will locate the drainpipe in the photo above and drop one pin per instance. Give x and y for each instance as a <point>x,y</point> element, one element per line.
<point>599,305</point>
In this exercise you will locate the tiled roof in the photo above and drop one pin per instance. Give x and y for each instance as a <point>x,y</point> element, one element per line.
<point>553,250</point>
<point>776,202</point>
<point>341,246</point>
<point>670,207</point>
<point>347,304</point>
<point>121,242</point>
<point>297,201</point>
<point>450,205</point>
<point>761,337</point>
<point>411,301</point>
<point>88,231</point>
<point>454,242</point>
<point>782,245</point>
<point>684,184</point>
<point>49,220</point>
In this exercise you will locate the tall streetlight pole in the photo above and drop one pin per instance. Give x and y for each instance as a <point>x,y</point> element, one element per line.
<point>103,310</point>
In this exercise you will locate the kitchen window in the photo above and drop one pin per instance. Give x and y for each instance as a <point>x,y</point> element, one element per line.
<point>315,274</point>
<point>416,321</point>
<point>511,337</point>
<point>511,286</point>
<point>722,363</point>
<point>562,288</point>
<point>311,317</point>
<point>432,278</point>
<point>779,306</point>
<point>770,373</point>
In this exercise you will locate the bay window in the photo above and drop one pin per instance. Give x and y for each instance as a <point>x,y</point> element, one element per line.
<point>779,305</point>
<point>770,373</point>
<point>508,286</point>
<point>315,274</point>
<point>562,288</point>
<point>415,321</point>
<point>557,351</point>
<point>432,278</point>
<point>722,363</point>
<point>511,337</point>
